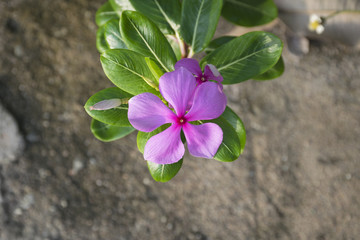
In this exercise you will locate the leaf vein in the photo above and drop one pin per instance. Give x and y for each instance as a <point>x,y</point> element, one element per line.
<point>148,46</point>
<point>126,68</point>
<point>197,23</point>
<point>162,171</point>
<point>234,62</point>
<point>165,15</point>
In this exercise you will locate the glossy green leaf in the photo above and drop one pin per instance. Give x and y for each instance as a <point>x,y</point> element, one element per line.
<point>246,56</point>
<point>101,43</point>
<point>121,5</point>
<point>276,71</point>
<point>199,19</point>
<point>230,116</point>
<point>230,148</point>
<point>249,12</point>
<point>155,69</point>
<point>164,172</point>
<point>116,116</point>
<point>104,14</point>
<point>107,133</point>
<point>164,13</point>
<point>143,36</point>
<point>128,70</point>
<point>113,36</point>
<point>218,42</point>
<point>108,37</point>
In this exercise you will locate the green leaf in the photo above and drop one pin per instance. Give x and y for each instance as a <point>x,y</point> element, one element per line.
<point>246,56</point>
<point>230,116</point>
<point>121,5</point>
<point>108,36</point>
<point>107,133</point>
<point>230,148</point>
<point>214,44</point>
<point>104,14</point>
<point>154,68</point>
<point>164,172</point>
<point>116,116</point>
<point>101,43</point>
<point>113,36</point>
<point>276,71</point>
<point>249,13</point>
<point>143,36</point>
<point>164,13</point>
<point>198,22</point>
<point>128,70</point>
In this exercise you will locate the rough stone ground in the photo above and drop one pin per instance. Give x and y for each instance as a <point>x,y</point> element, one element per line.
<point>298,178</point>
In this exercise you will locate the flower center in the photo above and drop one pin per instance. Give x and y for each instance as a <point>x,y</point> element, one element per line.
<point>181,120</point>
<point>314,25</point>
<point>203,79</point>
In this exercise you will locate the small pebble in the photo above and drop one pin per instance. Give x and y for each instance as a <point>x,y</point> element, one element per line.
<point>285,168</point>
<point>92,161</point>
<point>348,176</point>
<point>63,203</point>
<point>18,51</point>
<point>65,153</point>
<point>32,137</point>
<point>163,219</point>
<point>27,201</point>
<point>98,182</point>
<point>52,209</point>
<point>45,124</point>
<point>146,181</point>
<point>169,226</point>
<point>18,212</point>
<point>43,173</point>
<point>77,166</point>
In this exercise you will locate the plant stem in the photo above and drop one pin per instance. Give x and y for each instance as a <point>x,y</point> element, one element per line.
<point>191,53</point>
<point>339,12</point>
<point>151,83</point>
<point>181,45</point>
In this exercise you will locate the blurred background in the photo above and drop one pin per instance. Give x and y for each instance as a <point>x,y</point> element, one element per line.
<point>297,179</point>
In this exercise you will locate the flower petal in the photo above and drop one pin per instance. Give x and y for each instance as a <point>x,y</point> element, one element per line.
<point>147,112</point>
<point>165,147</point>
<point>177,88</point>
<point>320,29</point>
<point>315,18</point>
<point>190,64</point>
<point>209,102</point>
<point>203,140</point>
<point>211,73</point>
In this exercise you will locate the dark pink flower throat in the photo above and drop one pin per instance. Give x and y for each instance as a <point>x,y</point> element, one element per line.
<point>181,120</point>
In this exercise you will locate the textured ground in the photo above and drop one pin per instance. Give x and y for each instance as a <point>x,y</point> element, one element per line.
<point>298,178</point>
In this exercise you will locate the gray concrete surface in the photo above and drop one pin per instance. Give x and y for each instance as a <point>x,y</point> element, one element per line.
<point>297,179</point>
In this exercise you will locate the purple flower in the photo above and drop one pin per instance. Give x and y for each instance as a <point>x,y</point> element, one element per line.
<point>147,112</point>
<point>210,71</point>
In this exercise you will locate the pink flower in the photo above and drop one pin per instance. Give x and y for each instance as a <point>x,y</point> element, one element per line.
<point>147,112</point>
<point>210,71</point>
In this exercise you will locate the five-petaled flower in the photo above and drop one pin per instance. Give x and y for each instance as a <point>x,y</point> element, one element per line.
<point>316,24</point>
<point>192,65</point>
<point>147,112</point>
